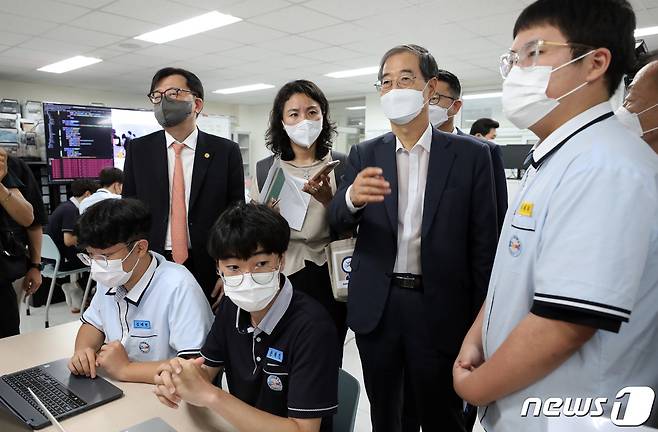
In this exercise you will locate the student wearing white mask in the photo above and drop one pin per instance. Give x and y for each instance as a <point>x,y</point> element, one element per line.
<point>275,343</point>
<point>571,307</point>
<point>424,204</point>
<point>300,135</point>
<point>146,309</point>
<point>640,109</point>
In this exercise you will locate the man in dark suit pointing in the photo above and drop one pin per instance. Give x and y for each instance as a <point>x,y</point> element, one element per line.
<point>424,204</point>
<point>186,176</point>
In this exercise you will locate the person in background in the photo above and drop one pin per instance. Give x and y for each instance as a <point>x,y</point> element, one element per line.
<point>111,185</point>
<point>275,343</point>
<point>424,205</point>
<point>571,307</point>
<point>443,108</point>
<point>185,176</point>
<point>485,128</point>
<point>640,109</point>
<point>146,309</point>
<point>300,135</point>
<point>61,226</point>
<point>22,216</point>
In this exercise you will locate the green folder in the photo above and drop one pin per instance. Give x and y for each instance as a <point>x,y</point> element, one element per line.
<point>276,186</point>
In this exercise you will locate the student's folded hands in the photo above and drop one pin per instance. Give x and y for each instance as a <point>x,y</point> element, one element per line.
<point>181,379</point>
<point>113,358</point>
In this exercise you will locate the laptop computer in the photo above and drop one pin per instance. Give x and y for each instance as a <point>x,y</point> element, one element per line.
<point>63,393</point>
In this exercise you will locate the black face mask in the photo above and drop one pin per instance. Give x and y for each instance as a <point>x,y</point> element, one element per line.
<point>170,112</point>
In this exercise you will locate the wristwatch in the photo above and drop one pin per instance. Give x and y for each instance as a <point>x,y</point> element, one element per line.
<point>38,266</point>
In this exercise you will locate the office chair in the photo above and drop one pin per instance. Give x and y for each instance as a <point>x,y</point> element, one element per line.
<point>348,402</point>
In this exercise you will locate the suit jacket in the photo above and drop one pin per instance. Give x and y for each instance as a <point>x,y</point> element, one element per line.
<point>217,182</point>
<point>458,236</point>
<point>500,178</point>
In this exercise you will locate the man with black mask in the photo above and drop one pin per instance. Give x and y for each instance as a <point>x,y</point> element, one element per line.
<point>186,176</point>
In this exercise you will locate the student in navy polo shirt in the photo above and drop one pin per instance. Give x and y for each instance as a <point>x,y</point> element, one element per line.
<point>276,345</point>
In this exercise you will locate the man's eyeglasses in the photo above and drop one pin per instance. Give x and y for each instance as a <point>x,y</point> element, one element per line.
<point>436,99</point>
<point>171,93</point>
<point>529,53</point>
<point>404,81</point>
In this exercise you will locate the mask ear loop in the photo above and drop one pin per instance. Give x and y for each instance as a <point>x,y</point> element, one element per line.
<point>567,64</point>
<point>648,109</point>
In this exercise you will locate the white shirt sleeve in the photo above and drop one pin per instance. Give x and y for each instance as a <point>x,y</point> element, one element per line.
<point>595,242</point>
<point>190,317</point>
<point>352,208</point>
<point>93,315</point>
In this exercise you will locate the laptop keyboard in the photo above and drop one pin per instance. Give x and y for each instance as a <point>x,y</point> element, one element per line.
<point>58,399</point>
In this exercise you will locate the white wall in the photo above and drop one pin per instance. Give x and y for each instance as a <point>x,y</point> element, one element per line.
<point>42,92</point>
<point>255,120</point>
<point>376,122</point>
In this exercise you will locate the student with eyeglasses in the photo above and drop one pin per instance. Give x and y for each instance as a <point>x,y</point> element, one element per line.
<point>276,344</point>
<point>146,309</point>
<point>186,177</point>
<point>571,306</point>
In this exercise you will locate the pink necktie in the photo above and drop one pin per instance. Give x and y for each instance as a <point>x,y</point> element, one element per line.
<point>178,211</point>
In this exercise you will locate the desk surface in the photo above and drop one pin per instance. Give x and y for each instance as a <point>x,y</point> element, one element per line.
<point>137,405</point>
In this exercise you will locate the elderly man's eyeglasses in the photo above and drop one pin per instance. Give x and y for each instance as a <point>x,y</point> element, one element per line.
<point>404,81</point>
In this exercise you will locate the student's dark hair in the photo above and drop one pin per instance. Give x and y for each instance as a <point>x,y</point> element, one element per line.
<point>110,175</point>
<point>113,221</point>
<point>79,187</point>
<point>452,81</point>
<point>276,138</point>
<point>193,81</point>
<point>246,228</point>
<point>426,62</point>
<point>483,126</point>
<point>596,23</point>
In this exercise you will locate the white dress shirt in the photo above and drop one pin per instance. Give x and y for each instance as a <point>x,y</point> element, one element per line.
<point>412,177</point>
<point>187,156</point>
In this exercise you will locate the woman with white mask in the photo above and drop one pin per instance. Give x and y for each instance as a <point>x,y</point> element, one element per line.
<point>300,136</point>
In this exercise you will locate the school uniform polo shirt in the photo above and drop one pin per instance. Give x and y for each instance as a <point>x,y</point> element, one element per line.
<point>580,244</point>
<point>286,366</point>
<point>163,316</point>
<point>61,221</point>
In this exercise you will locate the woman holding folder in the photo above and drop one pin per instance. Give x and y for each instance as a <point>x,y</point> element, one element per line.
<point>300,135</point>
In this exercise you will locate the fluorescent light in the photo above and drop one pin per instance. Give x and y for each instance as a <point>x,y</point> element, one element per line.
<point>243,89</point>
<point>646,31</point>
<point>482,96</point>
<point>355,108</point>
<point>354,72</point>
<point>70,64</point>
<point>189,27</point>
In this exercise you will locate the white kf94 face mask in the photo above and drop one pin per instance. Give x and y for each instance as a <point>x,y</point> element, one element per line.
<point>113,275</point>
<point>403,105</point>
<point>250,295</point>
<point>524,93</point>
<point>439,115</point>
<point>305,132</point>
<point>632,120</point>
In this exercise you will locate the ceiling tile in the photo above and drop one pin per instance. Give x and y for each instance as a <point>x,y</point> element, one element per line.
<point>203,44</point>
<point>342,34</point>
<point>350,10</point>
<point>295,19</point>
<point>67,33</point>
<point>114,24</point>
<point>292,45</point>
<point>21,25</point>
<point>168,53</point>
<point>333,53</point>
<point>91,4</point>
<point>161,12</point>
<point>11,39</point>
<point>246,33</point>
<point>46,10</point>
<point>252,8</point>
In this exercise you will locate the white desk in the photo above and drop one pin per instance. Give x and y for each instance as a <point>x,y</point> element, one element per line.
<point>137,405</point>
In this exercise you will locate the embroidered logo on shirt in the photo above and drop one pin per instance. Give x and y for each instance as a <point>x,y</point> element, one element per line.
<point>525,209</point>
<point>144,347</point>
<point>515,246</point>
<point>142,324</point>
<point>275,355</point>
<point>274,382</point>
